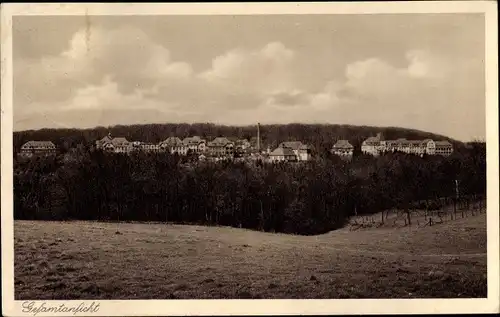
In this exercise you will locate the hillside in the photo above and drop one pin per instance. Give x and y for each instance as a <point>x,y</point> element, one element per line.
<point>94,260</point>
<point>320,136</point>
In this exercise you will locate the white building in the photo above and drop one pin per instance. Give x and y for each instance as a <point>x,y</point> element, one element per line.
<point>301,151</point>
<point>115,145</point>
<point>174,145</point>
<point>343,148</point>
<point>221,147</point>
<point>444,148</point>
<point>282,154</point>
<point>31,148</point>
<point>195,144</point>
<point>372,145</point>
<point>375,146</point>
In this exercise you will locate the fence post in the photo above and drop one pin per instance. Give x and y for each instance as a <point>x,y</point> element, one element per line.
<point>455,208</point>
<point>430,221</point>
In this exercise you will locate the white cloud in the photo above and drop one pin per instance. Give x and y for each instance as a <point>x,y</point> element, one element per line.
<point>266,70</point>
<point>127,55</point>
<point>107,96</point>
<point>423,64</point>
<point>123,76</point>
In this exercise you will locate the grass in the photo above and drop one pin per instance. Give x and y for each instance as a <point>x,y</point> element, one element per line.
<point>92,260</point>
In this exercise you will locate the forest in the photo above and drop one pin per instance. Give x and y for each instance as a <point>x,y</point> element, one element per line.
<point>299,198</point>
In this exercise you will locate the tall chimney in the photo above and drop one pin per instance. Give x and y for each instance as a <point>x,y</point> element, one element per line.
<point>258,137</point>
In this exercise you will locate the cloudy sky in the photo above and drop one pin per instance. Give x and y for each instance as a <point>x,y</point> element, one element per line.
<point>416,71</point>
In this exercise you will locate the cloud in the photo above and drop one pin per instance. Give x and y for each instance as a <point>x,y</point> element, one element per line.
<point>289,99</point>
<point>423,64</point>
<point>125,54</point>
<point>264,70</point>
<point>419,95</point>
<point>122,76</point>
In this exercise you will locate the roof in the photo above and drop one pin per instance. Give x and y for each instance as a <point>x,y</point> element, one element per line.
<point>372,140</point>
<point>119,141</point>
<point>219,141</point>
<point>294,145</point>
<point>172,141</point>
<point>398,142</point>
<point>443,143</point>
<point>242,141</point>
<point>343,144</point>
<point>39,144</point>
<point>416,143</point>
<point>282,151</point>
<point>193,140</point>
<point>107,138</point>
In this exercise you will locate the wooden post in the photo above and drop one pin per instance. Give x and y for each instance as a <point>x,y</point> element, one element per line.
<point>455,208</point>
<point>430,221</point>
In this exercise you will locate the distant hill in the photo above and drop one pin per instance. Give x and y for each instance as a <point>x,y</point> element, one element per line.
<point>320,136</point>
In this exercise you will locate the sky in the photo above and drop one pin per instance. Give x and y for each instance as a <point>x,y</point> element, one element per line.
<point>419,71</point>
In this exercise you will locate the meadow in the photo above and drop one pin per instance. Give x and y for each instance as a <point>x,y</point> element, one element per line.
<point>105,260</point>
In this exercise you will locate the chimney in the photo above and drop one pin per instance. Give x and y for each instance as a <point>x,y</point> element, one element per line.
<point>258,137</point>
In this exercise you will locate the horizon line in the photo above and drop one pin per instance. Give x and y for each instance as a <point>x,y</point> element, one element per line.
<point>471,139</point>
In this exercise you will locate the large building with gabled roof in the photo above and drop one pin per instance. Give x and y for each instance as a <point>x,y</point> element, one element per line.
<point>31,148</point>
<point>221,147</point>
<point>303,152</point>
<point>282,154</point>
<point>343,148</point>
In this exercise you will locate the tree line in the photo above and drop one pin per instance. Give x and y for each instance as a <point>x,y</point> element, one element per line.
<point>300,198</point>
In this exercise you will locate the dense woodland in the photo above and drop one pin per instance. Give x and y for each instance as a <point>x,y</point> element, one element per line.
<point>300,198</point>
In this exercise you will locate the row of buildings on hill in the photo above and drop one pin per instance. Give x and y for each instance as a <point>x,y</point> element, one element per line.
<point>219,148</point>
<point>377,145</point>
<point>223,148</point>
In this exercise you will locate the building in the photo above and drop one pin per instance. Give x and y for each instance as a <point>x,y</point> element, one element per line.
<point>221,147</point>
<point>150,147</point>
<point>302,151</point>
<point>31,148</point>
<point>375,146</point>
<point>243,144</point>
<point>195,144</point>
<point>99,144</point>
<point>282,154</point>
<point>118,145</point>
<point>115,145</point>
<point>444,148</point>
<point>174,145</point>
<point>416,147</point>
<point>372,145</point>
<point>430,146</point>
<point>242,147</point>
<point>343,148</point>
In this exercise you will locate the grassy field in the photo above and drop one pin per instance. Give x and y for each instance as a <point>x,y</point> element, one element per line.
<point>92,260</point>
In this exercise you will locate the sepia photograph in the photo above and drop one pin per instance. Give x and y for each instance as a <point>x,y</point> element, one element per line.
<point>293,153</point>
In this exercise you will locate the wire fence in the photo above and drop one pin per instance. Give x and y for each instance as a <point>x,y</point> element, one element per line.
<point>423,214</point>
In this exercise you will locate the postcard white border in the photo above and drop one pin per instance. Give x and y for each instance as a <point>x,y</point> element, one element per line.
<point>261,307</point>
